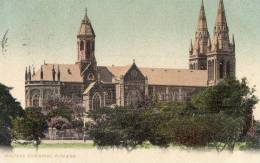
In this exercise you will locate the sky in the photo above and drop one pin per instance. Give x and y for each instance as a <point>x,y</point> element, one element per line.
<point>154,33</point>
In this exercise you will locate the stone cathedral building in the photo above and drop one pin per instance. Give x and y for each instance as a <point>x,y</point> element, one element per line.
<point>210,61</point>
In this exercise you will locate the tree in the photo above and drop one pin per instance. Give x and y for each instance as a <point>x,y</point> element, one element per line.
<point>65,113</point>
<point>219,115</point>
<point>31,126</point>
<point>9,109</point>
<point>232,102</point>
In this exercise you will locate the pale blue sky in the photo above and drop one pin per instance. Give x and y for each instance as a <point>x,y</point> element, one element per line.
<point>156,33</point>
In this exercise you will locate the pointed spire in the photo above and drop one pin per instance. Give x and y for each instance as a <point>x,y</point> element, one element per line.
<point>202,25</point>
<point>58,73</point>
<point>233,40</point>
<point>33,70</point>
<point>41,73</point>
<point>221,31</point>
<point>86,19</point>
<point>191,47</point>
<point>86,28</point>
<point>202,33</point>
<point>53,73</point>
<point>221,17</point>
<point>29,74</point>
<point>26,75</point>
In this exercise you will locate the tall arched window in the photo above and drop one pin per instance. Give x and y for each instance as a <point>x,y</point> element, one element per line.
<point>81,45</point>
<point>228,68</point>
<point>88,47</point>
<point>96,101</point>
<point>211,70</point>
<point>133,97</point>
<point>93,46</point>
<point>221,69</point>
<point>35,100</point>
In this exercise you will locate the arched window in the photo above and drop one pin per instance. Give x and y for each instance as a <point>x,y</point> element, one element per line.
<point>88,47</point>
<point>228,68</point>
<point>91,77</point>
<point>35,100</point>
<point>133,97</point>
<point>96,101</point>
<point>221,69</point>
<point>81,45</point>
<point>211,70</point>
<point>93,46</point>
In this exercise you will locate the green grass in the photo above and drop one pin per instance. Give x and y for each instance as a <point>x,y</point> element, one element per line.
<point>65,145</point>
<point>90,145</point>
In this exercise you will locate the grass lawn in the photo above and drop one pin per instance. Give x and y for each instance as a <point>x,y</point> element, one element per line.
<point>90,145</point>
<point>60,145</point>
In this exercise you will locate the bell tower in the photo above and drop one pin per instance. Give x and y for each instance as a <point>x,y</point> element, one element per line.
<point>86,50</point>
<point>221,61</point>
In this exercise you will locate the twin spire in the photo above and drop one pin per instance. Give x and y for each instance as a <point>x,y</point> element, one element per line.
<point>202,43</point>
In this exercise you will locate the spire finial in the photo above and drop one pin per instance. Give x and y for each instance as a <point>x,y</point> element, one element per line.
<point>86,19</point>
<point>133,60</point>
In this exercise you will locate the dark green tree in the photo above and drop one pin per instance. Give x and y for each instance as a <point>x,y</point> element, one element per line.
<point>9,109</point>
<point>231,104</point>
<point>30,127</point>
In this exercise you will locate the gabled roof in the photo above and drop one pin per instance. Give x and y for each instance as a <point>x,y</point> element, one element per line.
<point>160,76</point>
<point>176,77</point>
<point>111,74</point>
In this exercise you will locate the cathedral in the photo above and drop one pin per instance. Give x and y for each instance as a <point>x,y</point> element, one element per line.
<point>95,86</point>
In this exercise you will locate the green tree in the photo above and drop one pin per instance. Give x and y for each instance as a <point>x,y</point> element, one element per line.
<point>219,115</point>
<point>30,127</point>
<point>9,109</point>
<point>232,103</point>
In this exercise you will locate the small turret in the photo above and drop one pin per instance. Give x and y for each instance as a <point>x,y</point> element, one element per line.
<point>58,74</point>
<point>26,75</point>
<point>191,48</point>
<point>29,74</point>
<point>53,73</point>
<point>33,71</point>
<point>41,73</point>
<point>233,41</point>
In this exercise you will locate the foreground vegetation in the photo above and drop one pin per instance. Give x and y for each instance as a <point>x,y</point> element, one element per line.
<point>221,116</point>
